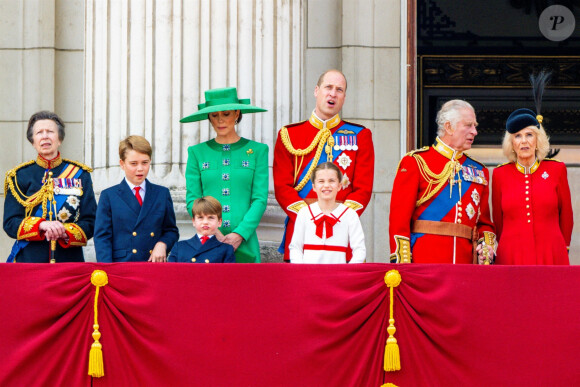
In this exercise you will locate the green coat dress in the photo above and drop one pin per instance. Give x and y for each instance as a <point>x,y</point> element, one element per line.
<point>236,175</point>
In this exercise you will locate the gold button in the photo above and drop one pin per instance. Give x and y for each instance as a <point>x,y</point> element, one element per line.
<point>527,182</point>
<point>529,221</point>
<point>528,214</point>
<point>207,261</point>
<point>152,234</point>
<point>460,214</point>
<point>134,251</point>
<point>527,206</point>
<point>134,233</point>
<point>527,192</point>
<point>193,259</point>
<point>459,221</point>
<point>527,199</point>
<point>527,187</point>
<point>526,176</point>
<point>459,209</point>
<point>150,251</point>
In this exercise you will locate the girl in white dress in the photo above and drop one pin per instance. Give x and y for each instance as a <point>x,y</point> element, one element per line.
<point>325,228</point>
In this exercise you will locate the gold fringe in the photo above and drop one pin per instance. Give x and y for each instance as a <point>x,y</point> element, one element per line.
<point>389,385</point>
<point>392,357</point>
<point>96,368</point>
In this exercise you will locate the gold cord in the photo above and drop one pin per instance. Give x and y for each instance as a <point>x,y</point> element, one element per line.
<point>436,181</point>
<point>324,136</point>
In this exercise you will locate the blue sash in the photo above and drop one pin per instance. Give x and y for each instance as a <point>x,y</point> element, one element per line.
<point>60,200</point>
<point>308,186</point>
<point>442,203</point>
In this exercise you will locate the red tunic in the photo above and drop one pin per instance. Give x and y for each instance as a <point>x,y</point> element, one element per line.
<point>468,207</point>
<point>353,153</point>
<point>532,211</point>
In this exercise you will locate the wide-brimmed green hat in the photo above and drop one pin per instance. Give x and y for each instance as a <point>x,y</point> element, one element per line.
<point>219,100</point>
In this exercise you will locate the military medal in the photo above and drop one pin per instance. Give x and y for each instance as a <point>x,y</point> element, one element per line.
<point>336,146</point>
<point>349,143</point>
<point>470,211</point>
<point>344,161</point>
<point>354,146</point>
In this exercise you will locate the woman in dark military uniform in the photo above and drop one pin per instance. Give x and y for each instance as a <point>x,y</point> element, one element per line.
<point>50,204</point>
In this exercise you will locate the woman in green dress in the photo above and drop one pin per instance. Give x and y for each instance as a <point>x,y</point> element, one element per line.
<point>232,169</point>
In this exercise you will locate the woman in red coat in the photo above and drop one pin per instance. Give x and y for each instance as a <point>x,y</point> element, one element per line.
<point>532,208</point>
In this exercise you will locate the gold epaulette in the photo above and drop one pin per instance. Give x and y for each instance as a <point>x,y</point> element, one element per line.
<point>501,165</point>
<point>83,166</point>
<point>12,173</point>
<point>424,149</point>
<point>477,161</point>
<point>354,124</point>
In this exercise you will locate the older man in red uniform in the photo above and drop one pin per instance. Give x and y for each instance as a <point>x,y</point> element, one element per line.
<point>324,137</point>
<point>440,200</point>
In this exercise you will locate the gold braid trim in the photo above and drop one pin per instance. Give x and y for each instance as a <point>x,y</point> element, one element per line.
<point>42,196</point>
<point>324,136</point>
<point>83,166</point>
<point>437,180</point>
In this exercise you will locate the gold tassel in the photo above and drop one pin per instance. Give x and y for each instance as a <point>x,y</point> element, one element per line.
<point>389,385</point>
<point>392,357</point>
<point>96,369</point>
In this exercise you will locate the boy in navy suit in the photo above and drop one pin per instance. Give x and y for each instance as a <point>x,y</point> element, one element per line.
<point>204,247</point>
<point>135,219</point>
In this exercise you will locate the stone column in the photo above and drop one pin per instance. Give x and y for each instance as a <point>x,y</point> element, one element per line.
<point>41,57</point>
<point>148,63</point>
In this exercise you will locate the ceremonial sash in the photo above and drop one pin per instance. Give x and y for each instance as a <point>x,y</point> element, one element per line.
<point>442,203</point>
<point>69,172</point>
<point>346,127</point>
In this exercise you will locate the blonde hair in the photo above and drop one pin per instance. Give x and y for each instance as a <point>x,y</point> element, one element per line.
<point>207,205</point>
<point>542,144</point>
<point>136,143</point>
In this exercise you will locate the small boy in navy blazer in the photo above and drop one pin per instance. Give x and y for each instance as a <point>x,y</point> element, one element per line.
<point>204,247</point>
<point>135,219</point>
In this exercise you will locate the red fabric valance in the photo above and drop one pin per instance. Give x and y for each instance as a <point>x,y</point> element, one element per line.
<point>290,325</point>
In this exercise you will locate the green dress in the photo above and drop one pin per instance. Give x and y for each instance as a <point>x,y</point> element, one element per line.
<point>236,175</point>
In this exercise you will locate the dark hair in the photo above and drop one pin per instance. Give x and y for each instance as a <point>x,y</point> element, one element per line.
<point>323,166</point>
<point>237,121</point>
<point>207,205</point>
<point>44,115</point>
<point>136,143</point>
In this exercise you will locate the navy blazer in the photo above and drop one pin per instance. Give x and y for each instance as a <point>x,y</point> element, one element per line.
<point>126,231</point>
<point>212,251</point>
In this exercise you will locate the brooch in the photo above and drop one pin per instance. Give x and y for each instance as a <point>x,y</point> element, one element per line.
<point>475,197</point>
<point>205,165</point>
<point>225,191</point>
<point>225,162</point>
<point>345,181</point>
<point>225,176</point>
<point>344,161</point>
<point>226,147</point>
<point>245,163</point>
<point>249,151</point>
<point>545,175</point>
<point>470,211</point>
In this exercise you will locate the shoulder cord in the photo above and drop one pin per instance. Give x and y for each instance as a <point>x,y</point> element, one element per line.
<point>324,136</point>
<point>45,194</point>
<point>451,168</point>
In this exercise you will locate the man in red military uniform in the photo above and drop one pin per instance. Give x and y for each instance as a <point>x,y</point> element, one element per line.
<point>324,137</point>
<point>440,200</point>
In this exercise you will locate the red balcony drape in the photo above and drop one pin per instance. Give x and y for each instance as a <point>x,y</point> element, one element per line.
<point>290,325</point>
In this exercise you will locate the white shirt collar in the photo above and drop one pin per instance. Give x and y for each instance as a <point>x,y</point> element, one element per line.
<point>132,186</point>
